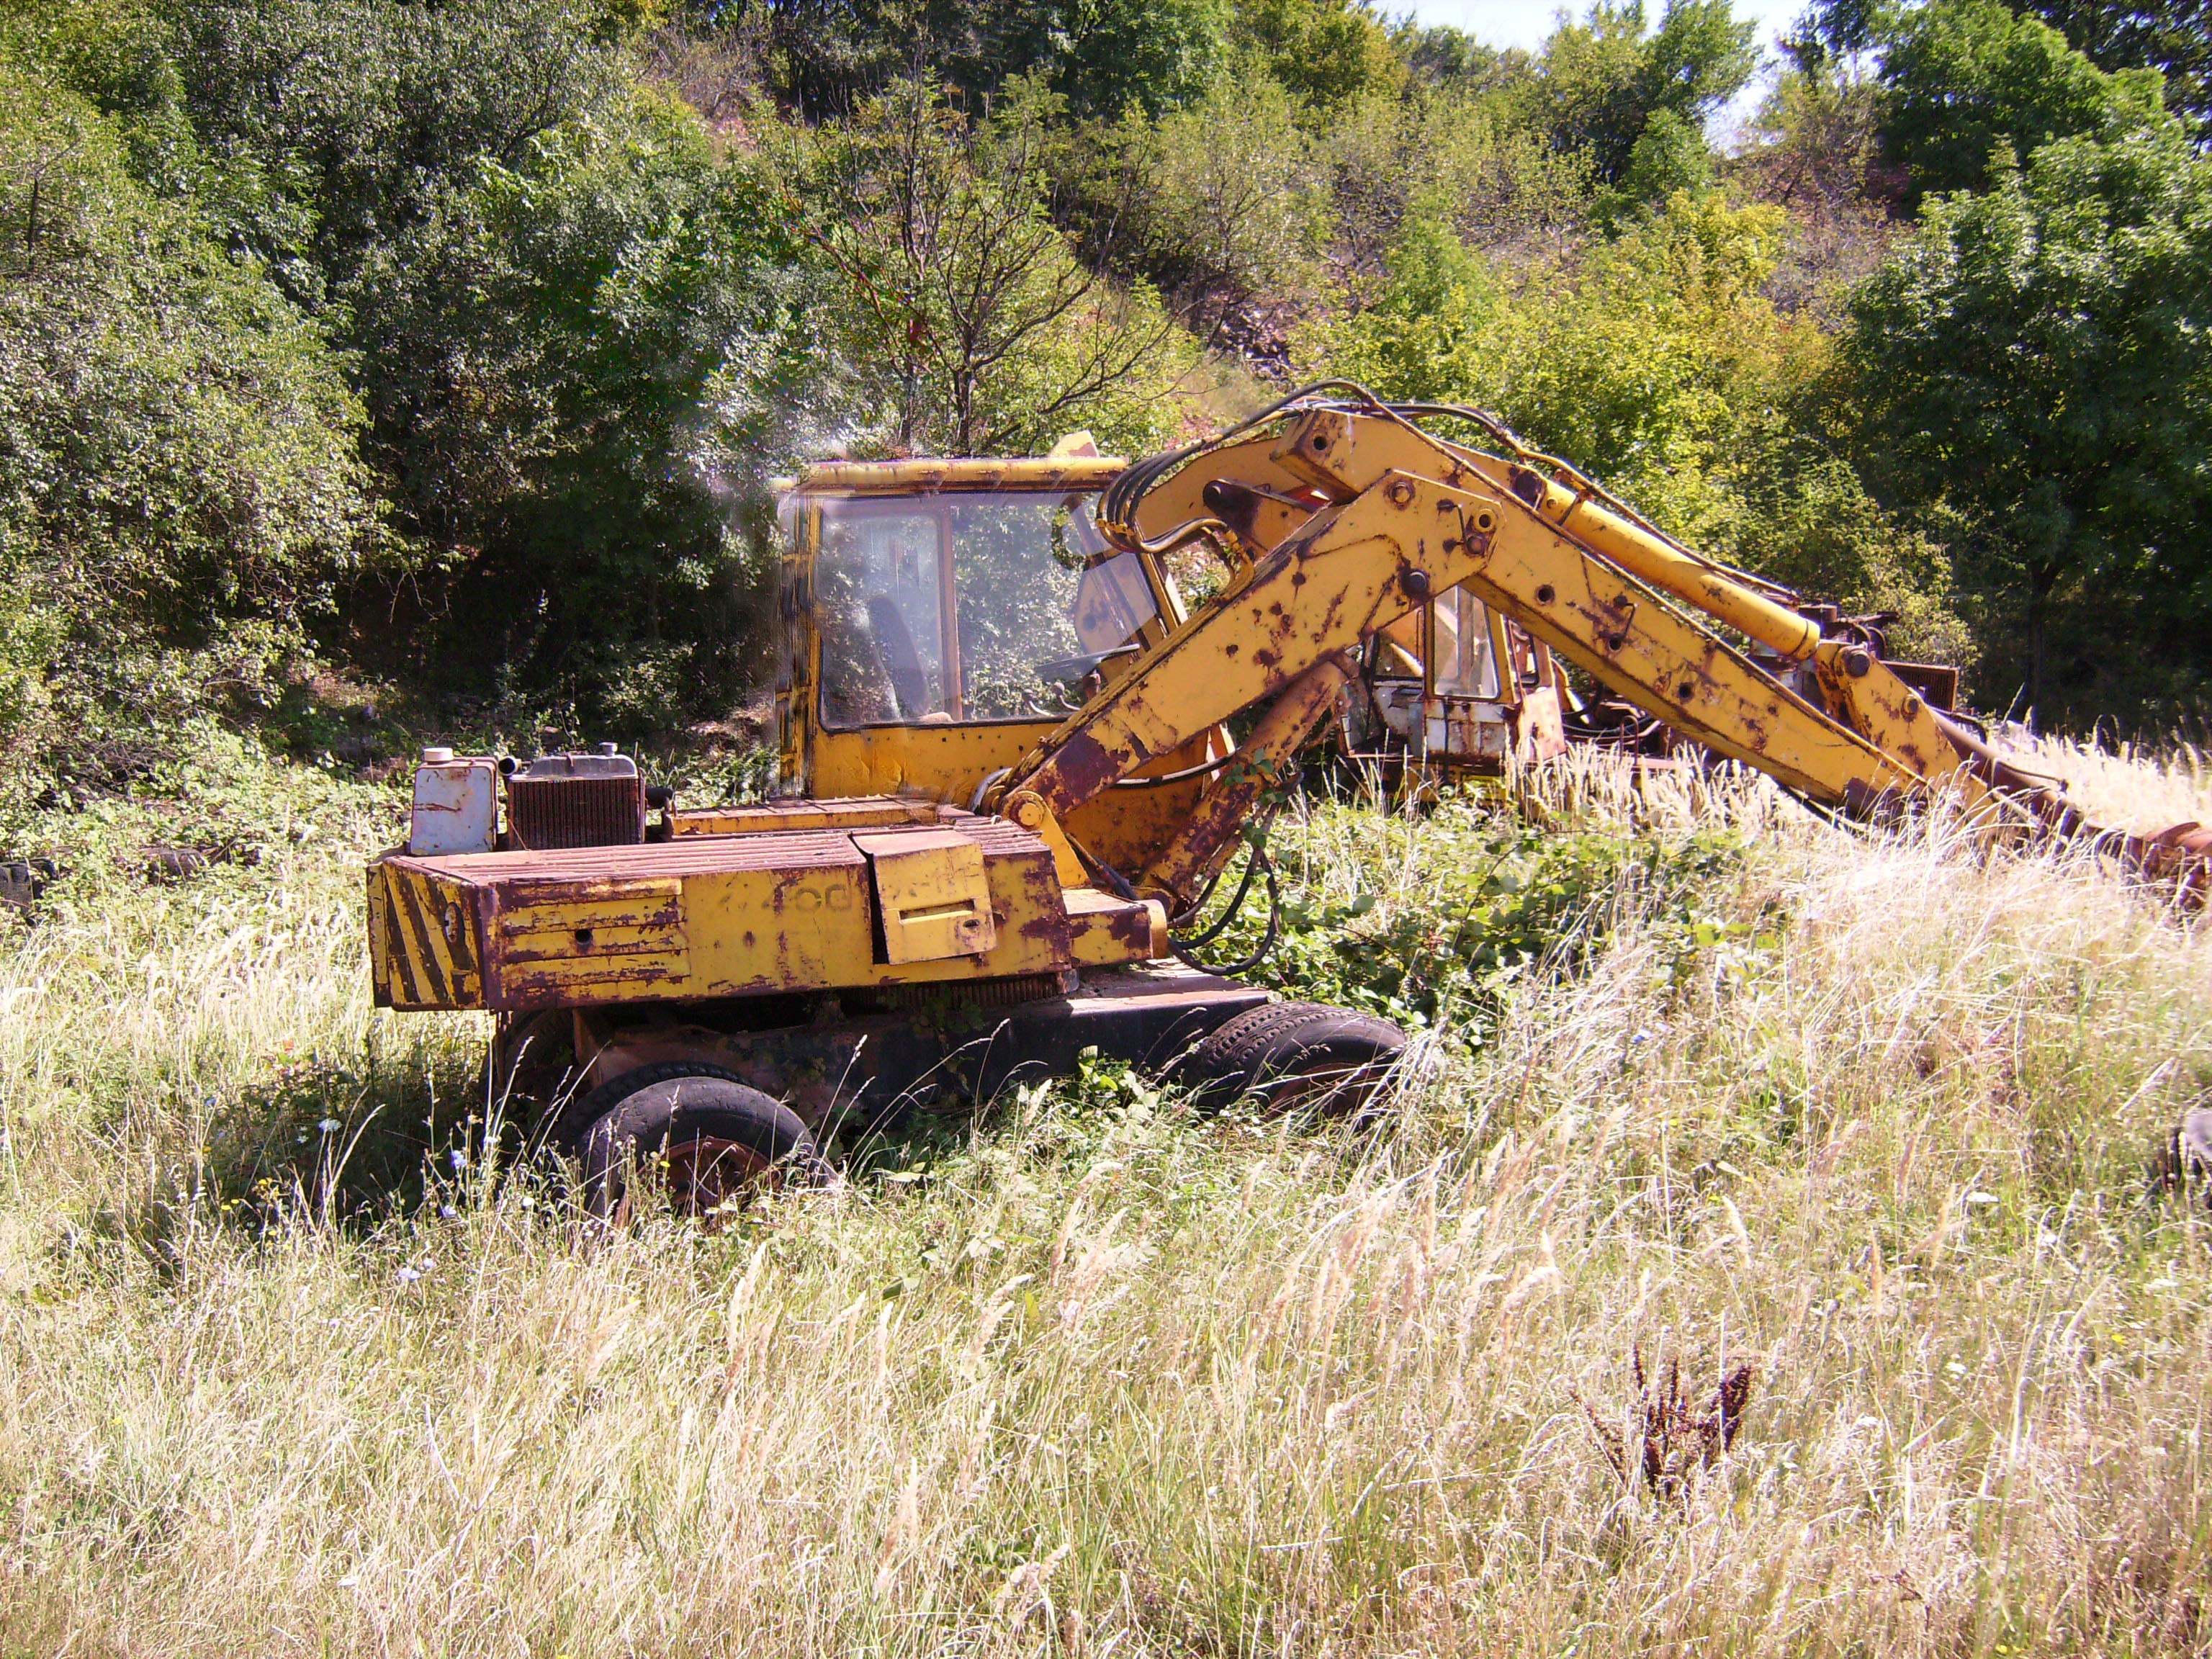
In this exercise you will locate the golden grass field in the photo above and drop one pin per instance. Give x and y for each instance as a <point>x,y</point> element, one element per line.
<point>1094,1375</point>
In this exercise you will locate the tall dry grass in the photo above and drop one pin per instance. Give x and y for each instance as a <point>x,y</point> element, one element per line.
<point>1110,1379</point>
<point>2140,789</point>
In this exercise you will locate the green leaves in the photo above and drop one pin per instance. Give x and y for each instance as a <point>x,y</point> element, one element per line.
<point>1605,79</point>
<point>966,325</point>
<point>2037,378</point>
<point>1974,88</point>
<point>176,439</point>
<point>1489,903</point>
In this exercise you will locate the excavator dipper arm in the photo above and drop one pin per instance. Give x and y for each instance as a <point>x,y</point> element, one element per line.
<point>1355,568</point>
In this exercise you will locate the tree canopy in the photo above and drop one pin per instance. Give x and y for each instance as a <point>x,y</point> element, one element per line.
<point>455,347</point>
<point>1975,90</point>
<point>2034,364</point>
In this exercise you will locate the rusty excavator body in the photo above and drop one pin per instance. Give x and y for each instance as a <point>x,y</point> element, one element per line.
<point>1015,758</point>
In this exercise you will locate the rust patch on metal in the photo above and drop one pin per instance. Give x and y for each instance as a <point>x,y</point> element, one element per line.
<point>1081,769</point>
<point>538,907</point>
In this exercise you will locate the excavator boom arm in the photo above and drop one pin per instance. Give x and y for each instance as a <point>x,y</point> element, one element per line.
<point>1351,517</point>
<point>1357,567</point>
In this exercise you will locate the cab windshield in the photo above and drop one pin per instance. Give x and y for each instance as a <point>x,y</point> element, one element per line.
<point>967,607</point>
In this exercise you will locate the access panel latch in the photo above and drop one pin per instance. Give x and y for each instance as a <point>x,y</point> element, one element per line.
<point>932,899</point>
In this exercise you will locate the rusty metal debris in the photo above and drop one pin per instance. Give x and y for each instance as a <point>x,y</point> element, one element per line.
<point>24,882</point>
<point>2187,1163</point>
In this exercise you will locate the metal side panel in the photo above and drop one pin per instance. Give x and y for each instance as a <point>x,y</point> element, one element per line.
<point>801,925</point>
<point>612,938</point>
<point>931,898</point>
<point>1105,931</point>
<point>860,812</point>
<point>706,916</point>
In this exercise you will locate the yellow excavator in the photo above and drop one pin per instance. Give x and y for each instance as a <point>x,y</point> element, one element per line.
<point>1027,710</point>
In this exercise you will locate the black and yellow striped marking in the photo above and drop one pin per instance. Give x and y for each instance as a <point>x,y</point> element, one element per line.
<point>425,941</point>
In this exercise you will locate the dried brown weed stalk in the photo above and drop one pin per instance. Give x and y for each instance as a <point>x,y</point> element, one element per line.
<point>1675,1439</point>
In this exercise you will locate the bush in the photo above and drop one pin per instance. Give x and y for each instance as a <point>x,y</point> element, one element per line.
<point>176,441</point>
<point>1658,366</point>
<point>1446,918</point>
<point>2035,387</point>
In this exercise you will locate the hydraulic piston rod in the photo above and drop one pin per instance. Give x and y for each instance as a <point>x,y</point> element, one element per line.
<point>1637,549</point>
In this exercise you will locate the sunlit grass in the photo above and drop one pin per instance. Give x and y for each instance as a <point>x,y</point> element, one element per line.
<point>2134,788</point>
<point>1108,1379</point>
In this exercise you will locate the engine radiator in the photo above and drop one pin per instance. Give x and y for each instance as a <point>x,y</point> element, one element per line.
<point>576,800</point>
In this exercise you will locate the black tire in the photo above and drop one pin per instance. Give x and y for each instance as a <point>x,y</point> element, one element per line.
<point>2189,1153</point>
<point>715,1138</point>
<point>533,1062</point>
<point>1297,1054</point>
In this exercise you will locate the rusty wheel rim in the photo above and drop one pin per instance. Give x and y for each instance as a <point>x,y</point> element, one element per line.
<point>707,1172</point>
<point>1330,1086</point>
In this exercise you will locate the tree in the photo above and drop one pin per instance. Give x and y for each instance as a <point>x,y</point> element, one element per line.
<point>970,326</point>
<point>1441,56</point>
<point>177,460</point>
<point>2173,37</point>
<point>600,358</point>
<point>1238,206</point>
<point>1815,145</point>
<point>1670,157</point>
<point>559,305</point>
<point>1327,53</point>
<point>1659,368</point>
<point>333,129</point>
<point>1814,150</point>
<point>1102,56</point>
<point>2035,375</point>
<point>1601,82</point>
<point>1113,55</point>
<point>1967,80</point>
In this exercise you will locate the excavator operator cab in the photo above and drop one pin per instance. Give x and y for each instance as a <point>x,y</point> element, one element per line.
<point>977,608</point>
<point>939,619</point>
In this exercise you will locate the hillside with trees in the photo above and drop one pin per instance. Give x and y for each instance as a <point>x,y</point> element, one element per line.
<point>449,350</point>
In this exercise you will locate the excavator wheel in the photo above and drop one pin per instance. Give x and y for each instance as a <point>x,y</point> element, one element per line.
<point>2189,1153</point>
<point>715,1140</point>
<point>1297,1056</point>
<point>533,1063</point>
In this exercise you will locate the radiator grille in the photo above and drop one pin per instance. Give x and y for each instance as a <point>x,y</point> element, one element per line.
<point>546,813</point>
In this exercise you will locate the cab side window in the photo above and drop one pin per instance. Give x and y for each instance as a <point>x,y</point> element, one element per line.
<point>876,599</point>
